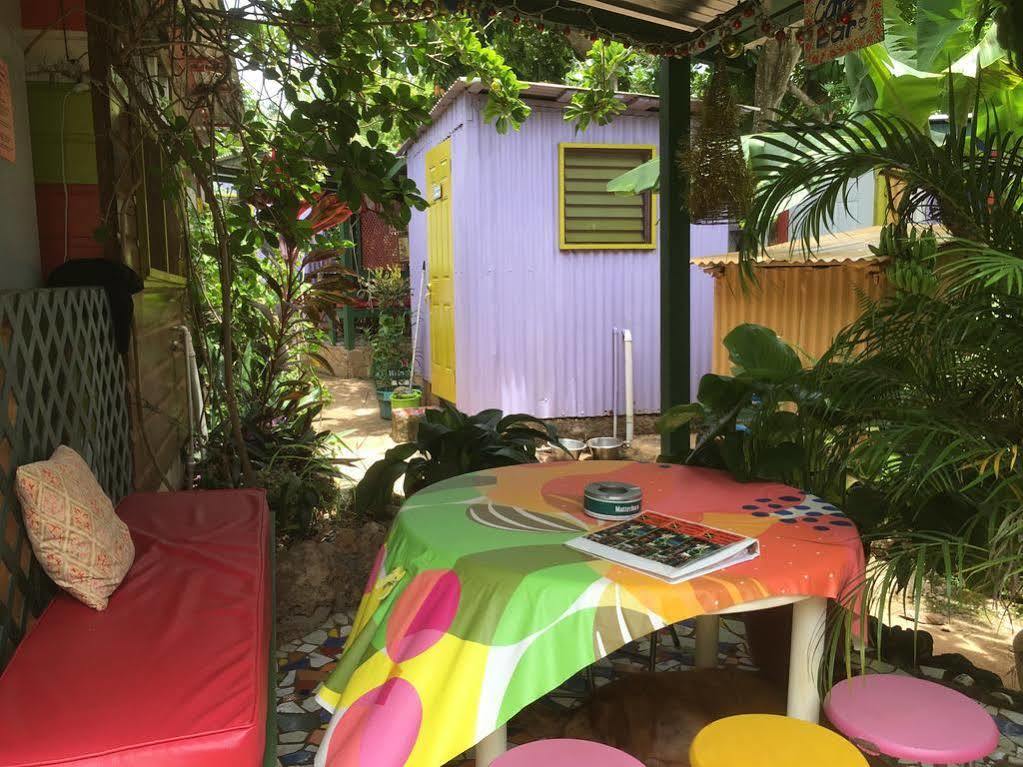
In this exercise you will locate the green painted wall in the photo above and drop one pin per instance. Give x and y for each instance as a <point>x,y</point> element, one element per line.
<point>46,101</point>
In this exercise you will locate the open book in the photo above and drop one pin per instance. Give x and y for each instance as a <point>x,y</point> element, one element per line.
<point>671,549</point>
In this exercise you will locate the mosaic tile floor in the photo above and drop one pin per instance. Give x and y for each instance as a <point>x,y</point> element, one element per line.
<point>303,664</point>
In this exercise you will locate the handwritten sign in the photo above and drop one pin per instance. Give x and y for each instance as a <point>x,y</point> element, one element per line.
<point>837,27</point>
<point>6,115</point>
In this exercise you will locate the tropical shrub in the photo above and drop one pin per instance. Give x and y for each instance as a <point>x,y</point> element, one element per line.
<point>387,289</point>
<point>925,389</point>
<point>770,421</point>
<point>391,351</point>
<point>275,335</point>
<point>937,56</point>
<point>450,443</point>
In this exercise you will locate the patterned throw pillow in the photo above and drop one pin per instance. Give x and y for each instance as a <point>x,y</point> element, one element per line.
<point>78,539</point>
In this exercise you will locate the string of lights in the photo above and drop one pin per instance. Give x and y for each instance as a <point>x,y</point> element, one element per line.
<point>725,31</point>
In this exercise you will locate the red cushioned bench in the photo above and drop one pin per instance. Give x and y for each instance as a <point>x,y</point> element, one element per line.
<point>176,671</point>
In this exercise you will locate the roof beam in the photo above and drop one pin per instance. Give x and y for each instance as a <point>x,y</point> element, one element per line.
<point>629,10</point>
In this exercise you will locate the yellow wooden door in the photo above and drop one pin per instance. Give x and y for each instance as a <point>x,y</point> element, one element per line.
<point>441,274</point>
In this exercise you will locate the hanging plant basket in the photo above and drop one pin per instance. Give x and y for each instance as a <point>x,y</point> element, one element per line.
<point>720,182</point>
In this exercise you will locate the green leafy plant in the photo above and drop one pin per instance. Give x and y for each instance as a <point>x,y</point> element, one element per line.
<point>386,287</point>
<point>298,498</point>
<point>450,443</point>
<point>940,57</point>
<point>604,66</point>
<point>765,421</point>
<point>391,349</point>
<point>923,388</point>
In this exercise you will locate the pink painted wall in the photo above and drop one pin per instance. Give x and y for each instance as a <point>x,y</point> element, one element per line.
<point>533,322</point>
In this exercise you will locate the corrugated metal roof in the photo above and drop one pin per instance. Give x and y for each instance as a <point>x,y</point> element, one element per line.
<point>658,22</point>
<point>842,248</point>
<point>536,94</point>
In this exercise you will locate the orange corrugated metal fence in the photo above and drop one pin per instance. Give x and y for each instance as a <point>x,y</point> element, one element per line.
<point>805,305</point>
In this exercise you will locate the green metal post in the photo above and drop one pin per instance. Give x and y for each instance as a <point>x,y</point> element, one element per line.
<point>348,321</point>
<point>347,313</point>
<point>674,244</point>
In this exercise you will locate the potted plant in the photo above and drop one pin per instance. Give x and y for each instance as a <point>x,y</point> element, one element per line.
<point>387,290</point>
<point>405,396</point>
<point>389,345</point>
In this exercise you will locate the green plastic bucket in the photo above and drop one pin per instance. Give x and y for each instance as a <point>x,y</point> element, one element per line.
<point>411,399</point>
<point>384,401</point>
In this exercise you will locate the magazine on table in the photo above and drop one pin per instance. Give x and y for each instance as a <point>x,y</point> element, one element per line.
<point>673,550</point>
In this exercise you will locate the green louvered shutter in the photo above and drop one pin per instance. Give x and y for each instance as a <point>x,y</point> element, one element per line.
<point>593,218</point>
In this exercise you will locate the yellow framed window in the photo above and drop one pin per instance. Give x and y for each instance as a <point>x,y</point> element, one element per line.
<point>591,218</point>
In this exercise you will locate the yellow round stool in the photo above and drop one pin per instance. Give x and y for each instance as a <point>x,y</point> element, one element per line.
<point>766,740</point>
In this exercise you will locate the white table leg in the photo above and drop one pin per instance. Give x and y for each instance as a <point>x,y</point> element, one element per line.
<point>805,654</point>
<point>707,628</point>
<point>492,746</point>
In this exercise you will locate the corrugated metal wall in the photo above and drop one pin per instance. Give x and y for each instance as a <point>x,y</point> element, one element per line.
<point>451,124</point>
<point>705,241</point>
<point>805,305</point>
<point>858,210</point>
<point>533,323</point>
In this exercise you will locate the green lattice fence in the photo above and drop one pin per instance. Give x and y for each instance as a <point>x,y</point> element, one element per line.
<point>61,382</point>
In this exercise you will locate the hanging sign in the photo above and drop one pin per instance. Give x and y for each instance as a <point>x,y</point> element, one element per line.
<point>6,115</point>
<point>837,27</point>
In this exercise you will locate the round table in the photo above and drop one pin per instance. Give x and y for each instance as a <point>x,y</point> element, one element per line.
<point>475,607</point>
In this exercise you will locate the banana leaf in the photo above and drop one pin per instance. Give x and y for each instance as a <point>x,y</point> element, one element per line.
<point>642,178</point>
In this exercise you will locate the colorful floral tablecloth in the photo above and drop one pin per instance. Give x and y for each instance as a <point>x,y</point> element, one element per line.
<point>475,608</point>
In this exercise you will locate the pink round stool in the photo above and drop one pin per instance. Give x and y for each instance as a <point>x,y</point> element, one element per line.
<point>565,752</point>
<point>912,719</point>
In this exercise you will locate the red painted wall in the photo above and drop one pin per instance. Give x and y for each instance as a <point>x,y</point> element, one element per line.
<point>83,219</point>
<point>41,14</point>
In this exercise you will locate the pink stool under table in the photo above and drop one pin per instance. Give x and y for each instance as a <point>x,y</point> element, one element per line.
<point>912,719</point>
<point>565,752</point>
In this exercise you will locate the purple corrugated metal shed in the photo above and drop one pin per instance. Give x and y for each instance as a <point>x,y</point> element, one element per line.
<point>533,323</point>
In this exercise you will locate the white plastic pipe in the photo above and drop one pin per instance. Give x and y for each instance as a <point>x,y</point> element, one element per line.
<point>197,412</point>
<point>629,409</point>
<point>193,401</point>
<point>415,328</point>
<point>614,382</point>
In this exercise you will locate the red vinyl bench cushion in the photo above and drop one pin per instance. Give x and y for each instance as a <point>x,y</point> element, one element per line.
<point>174,673</point>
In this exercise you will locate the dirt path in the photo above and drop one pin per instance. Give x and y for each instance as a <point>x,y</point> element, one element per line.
<point>353,415</point>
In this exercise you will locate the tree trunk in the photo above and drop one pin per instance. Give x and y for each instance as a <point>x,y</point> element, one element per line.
<point>774,69</point>
<point>153,114</point>
<point>226,341</point>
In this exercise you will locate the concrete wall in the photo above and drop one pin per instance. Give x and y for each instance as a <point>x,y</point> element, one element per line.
<point>19,237</point>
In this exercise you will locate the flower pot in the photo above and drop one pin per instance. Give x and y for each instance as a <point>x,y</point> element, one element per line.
<point>406,398</point>
<point>384,401</point>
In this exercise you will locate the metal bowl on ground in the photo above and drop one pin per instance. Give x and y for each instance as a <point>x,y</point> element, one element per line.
<point>605,448</point>
<point>574,447</point>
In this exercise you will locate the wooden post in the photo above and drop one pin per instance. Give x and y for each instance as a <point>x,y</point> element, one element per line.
<point>674,245</point>
<point>101,43</point>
